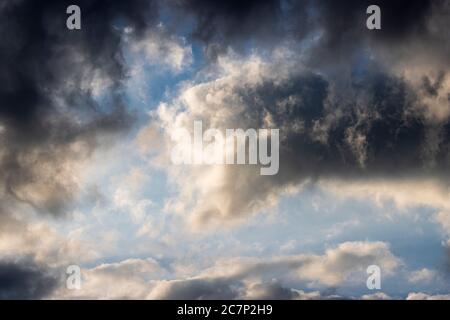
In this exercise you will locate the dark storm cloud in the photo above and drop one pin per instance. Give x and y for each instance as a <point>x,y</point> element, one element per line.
<point>220,24</point>
<point>49,77</point>
<point>372,129</point>
<point>414,33</point>
<point>408,29</point>
<point>367,121</point>
<point>224,21</point>
<point>236,20</point>
<point>369,124</point>
<point>25,280</point>
<point>400,19</point>
<point>431,87</point>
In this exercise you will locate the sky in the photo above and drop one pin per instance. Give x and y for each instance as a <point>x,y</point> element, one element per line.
<point>86,134</point>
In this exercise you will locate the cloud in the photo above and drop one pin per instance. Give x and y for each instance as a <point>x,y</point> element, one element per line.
<point>60,94</point>
<point>405,193</point>
<point>376,296</point>
<point>158,47</point>
<point>422,275</point>
<point>240,277</point>
<point>231,22</point>
<point>25,280</point>
<point>128,279</point>
<point>253,277</point>
<point>335,33</point>
<point>425,296</point>
<point>62,99</point>
<point>43,243</point>
<point>273,290</point>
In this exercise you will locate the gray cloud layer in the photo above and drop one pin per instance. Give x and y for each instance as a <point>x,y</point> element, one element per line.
<point>52,113</point>
<point>25,280</point>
